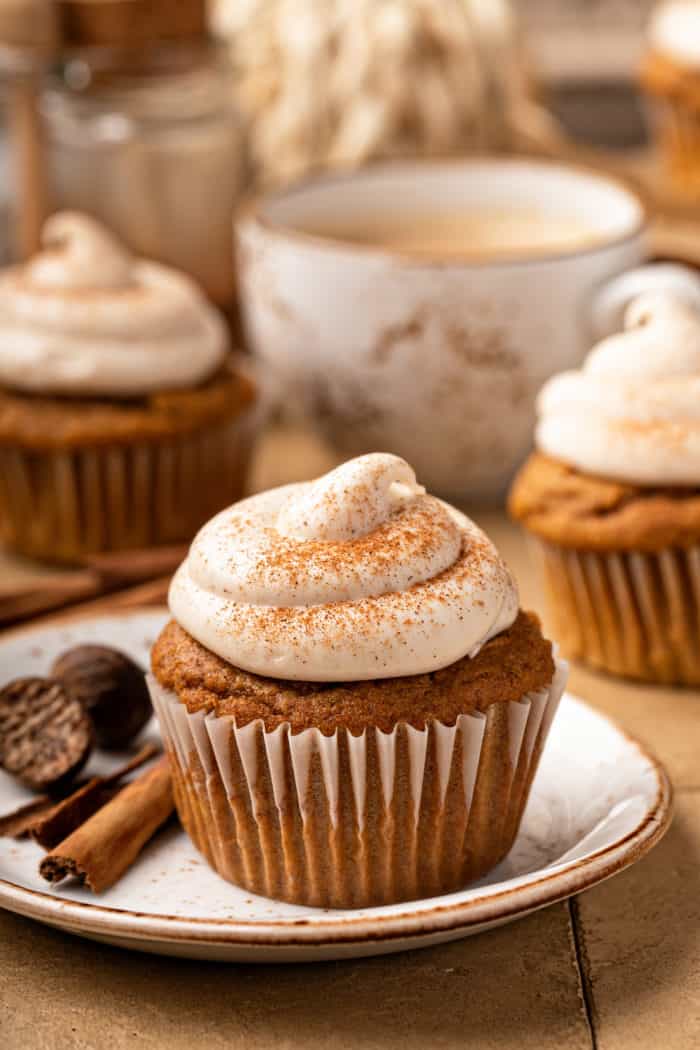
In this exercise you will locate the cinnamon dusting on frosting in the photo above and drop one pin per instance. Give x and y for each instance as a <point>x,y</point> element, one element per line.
<point>357,575</point>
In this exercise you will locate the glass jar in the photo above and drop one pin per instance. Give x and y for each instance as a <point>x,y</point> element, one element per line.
<point>28,40</point>
<point>155,154</point>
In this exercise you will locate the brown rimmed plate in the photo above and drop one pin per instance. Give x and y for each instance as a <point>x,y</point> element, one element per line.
<point>599,803</point>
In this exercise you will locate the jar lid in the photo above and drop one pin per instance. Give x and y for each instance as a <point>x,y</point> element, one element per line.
<point>127,25</point>
<point>104,42</point>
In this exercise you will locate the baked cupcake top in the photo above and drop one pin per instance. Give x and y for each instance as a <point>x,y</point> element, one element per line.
<point>86,318</point>
<point>514,663</point>
<point>358,575</point>
<point>632,413</point>
<point>674,32</point>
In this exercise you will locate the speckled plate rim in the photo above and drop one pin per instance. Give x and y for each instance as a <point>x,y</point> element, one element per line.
<point>324,929</point>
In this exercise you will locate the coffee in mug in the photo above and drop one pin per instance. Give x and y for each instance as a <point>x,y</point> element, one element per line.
<point>486,233</point>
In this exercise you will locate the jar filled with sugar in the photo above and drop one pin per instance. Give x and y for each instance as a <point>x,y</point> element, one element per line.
<point>141,132</point>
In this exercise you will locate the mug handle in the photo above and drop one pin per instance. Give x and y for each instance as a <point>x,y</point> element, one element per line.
<point>611,300</point>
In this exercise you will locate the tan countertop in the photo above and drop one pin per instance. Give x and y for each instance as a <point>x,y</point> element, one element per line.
<point>616,968</point>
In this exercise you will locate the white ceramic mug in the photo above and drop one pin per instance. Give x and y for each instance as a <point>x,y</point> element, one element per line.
<point>438,360</point>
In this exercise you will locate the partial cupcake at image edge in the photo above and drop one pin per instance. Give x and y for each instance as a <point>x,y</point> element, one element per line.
<point>125,419</point>
<point>353,703</point>
<point>670,80</point>
<point>611,497</point>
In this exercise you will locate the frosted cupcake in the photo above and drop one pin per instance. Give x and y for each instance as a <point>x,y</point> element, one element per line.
<point>353,704</point>
<point>122,420</point>
<point>612,497</point>
<point>670,76</point>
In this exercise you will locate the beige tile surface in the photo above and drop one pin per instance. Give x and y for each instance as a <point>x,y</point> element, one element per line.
<point>641,943</point>
<point>516,988</point>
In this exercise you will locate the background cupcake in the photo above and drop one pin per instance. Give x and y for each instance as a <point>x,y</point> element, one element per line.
<point>122,421</point>
<point>670,76</point>
<point>353,704</point>
<point>612,497</point>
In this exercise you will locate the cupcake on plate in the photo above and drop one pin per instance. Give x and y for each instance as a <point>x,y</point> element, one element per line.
<point>353,703</point>
<point>123,422</point>
<point>670,78</point>
<point>612,497</point>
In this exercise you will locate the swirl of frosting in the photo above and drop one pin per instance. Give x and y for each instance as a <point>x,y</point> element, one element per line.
<point>633,411</point>
<point>356,575</point>
<point>84,317</point>
<point>673,31</point>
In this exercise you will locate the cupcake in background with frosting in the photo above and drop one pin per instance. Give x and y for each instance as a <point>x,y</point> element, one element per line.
<point>123,421</point>
<point>353,703</point>
<point>612,497</point>
<point>670,78</point>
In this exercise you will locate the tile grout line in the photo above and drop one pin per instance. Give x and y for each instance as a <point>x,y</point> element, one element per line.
<point>582,968</point>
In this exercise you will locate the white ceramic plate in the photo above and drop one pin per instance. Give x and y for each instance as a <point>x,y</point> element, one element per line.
<point>598,804</point>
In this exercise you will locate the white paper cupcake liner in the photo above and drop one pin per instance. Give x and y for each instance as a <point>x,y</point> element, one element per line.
<point>62,505</point>
<point>353,821</point>
<point>636,615</point>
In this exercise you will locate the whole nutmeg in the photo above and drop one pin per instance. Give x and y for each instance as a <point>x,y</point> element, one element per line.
<point>110,687</point>
<point>45,734</point>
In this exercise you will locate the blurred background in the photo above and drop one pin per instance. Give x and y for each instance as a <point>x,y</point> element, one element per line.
<point>101,108</point>
<point>162,117</point>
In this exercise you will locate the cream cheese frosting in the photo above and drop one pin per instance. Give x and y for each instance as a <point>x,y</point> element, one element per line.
<point>632,412</point>
<point>357,575</point>
<point>85,317</point>
<point>674,31</point>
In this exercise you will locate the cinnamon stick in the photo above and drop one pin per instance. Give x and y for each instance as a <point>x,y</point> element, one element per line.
<point>19,823</point>
<point>51,827</point>
<point>32,597</point>
<point>101,849</point>
<point>135,566</point>
<point>154,592</point>
<point>101,574</point>
<point>36,817</point>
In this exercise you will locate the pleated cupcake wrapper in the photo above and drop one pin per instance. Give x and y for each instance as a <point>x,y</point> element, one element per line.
<point>61,505</point>
<point>352,821</point>
<point>636,615</point>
